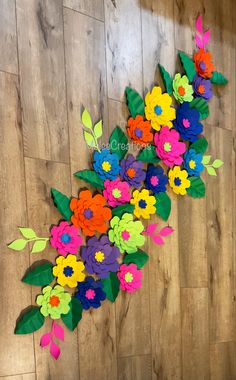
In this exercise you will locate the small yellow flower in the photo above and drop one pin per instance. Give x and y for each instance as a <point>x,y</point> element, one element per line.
<point>144,204</point>
<point>69,271</point>
<point>158,109</point>
<point>178,180</point>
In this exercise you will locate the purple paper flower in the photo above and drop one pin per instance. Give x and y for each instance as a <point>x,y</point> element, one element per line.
<point>132,171</point>
<point>100,257</point>
<point>202,87</point>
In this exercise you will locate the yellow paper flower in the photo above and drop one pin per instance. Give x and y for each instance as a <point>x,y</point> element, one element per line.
<point>69,271</point>
<point>183,91</point>
<point>178,180</point>
<point>158,109</point>
<point>144,204</point>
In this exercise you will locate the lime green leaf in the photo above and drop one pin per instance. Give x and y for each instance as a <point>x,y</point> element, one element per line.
<point>118,143</point>
<point>139,258</point>
<point>31,321</point>
<point>197,188</point>
<point>111,286</point>
<point>217,163</point>
<point>18,244</point>
<point>135,102</point>
<point>41,275</point>
<point>120,210</point>
<point>163,205</point>
<point>188,65</point>
<point>28,233</point>
<point>72,319</point>
<point>89,139</point>
<point>148,155</point>
<point>218,78</point>
<point>200,146</point>
<point>166,79</point>
<point>206,160</point>
<point>39,246</point>
<point>211,170</point>
<point>86,119</point>
<point>91,177</point>
<point>201,106</point>
<point>62,203</point>
<point>98,129</point>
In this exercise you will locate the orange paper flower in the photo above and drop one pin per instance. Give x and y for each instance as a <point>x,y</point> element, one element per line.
<point>203,63</point>
<point>89,213</point>
<point>139,130</point>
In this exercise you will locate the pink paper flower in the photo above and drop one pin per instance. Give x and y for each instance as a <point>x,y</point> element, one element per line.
<point>116,192</point>
<point>130,277</point>
<point>65,238</point>
<point>168,146</point>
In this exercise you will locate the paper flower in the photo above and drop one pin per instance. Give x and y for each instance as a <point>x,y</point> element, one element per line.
<point>65,238</point>
<point>158,109</point>
<point>193,162</point>
<point>203,63</point>
<point>187,122</point>
<point>168,147</point>
<point>116,192</point>
<point>90,293</point>
<point>178,180</point>
<point>202,87</point>
<point>130,277</point>
<point>126,233</point>
<point>106,164</point>
<point>68,271</point>
<point>89,213</point>
<point>143,203</point>
<point>100,257</point>
<point>183,91</point>
<point>54,301</point>
<point>139,130</point>
<point>156,180</point>
<point>132,171</point>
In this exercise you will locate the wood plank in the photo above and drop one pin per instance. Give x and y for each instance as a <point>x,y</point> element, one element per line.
<point>195,334</point>
<point>223,365</point>
<point>25,376</point>
<point>16,354</point>
<point>93,8</point>
<point>135,368</point>
<point>42,77</point>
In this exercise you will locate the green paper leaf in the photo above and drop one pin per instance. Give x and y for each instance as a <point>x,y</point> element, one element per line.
<point>31,321</point>
<point>120,210</point>
<point>91,177</point>
<point>89,139</point>
<point>188,65</point>
<point>218,78</point>
<point>72,319</point>
<point>200,146</point>
<point>135,102</point>
<point>18,244</point>
<point>62,203</point>
<point>28,233</point>
<point>111,286</point>
<point>206,160</point>
<point>39,246</point>
<point>118,143</point>
<point>86,119</point>
<point>197,188</point>
<point>40,275</point>
<point>163,205</point>
<point>139,258</point>
<point>98,129</point>
<point>201,106</point>
<point>148,155</point>
<point>211,170</point>
<point>217,163</point>
<point>166,79</point>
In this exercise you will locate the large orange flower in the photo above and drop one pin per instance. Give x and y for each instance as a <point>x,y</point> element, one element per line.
<point>203,63</point>
<point>89,213</point>
<point>139,130</point>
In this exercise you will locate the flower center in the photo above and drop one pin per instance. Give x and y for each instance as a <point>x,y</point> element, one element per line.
<point>54,301</point>
<point>90,294</point>
<point>177,181</point>
<point>154,180</point>
<point>99,256</point>
<point>158,110</point>
<point>65,238</point>
<point>167,147</point>
<point>181,91</point>
<point>131,173</point>
<point>88,214</point>
<point>142,203</point>
<point>138,132</point>
<point>116,193</point>
<point>192,164</point>
<point>106,166</point>
<point>186,123</point>
<point>125,235</point>
<point>201,89</point>
<point>68,271</point>
<point>129,277</point>
<point>202,66</point>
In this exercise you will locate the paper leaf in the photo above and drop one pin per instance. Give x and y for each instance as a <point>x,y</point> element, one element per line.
<point>197,188</point>
<point>201,106</point>
<point>31,321</point>
<point>28,233</point>
<point>158,240</point>
<point>200,145</point>
<point>98,129</point>
<point>111,286</point>
<point>139,258</point>
<point>39,246</point>
<point>188,65</point>
<point>150,229</point>
<point>211,171</point>
<point>18,244</point>
<point>72,319</point>
<point>166,79</point>
<point>58,331</point>
<point>45,340</point>
<point>199,27</point>
<point>198,41</point>
<point>206,160</point>
<point>163,205</point>
<point>217,163</point>
<point>218,78</point>
<point>89,139</point>
<point>118,143</point>
<point>86,119</point>
<point>206,37</point>
<point>166,231</point>
<point>148,155</point>
<point>120,210</point>
<point>41,275</point>
<point>55,350</point>
<point>91,177</point>
<point>62,203</point>
<point>135,102</point>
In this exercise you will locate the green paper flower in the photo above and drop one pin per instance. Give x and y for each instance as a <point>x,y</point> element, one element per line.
<point>183,91</point>
<point>54,301</point>
<point>126,233</point>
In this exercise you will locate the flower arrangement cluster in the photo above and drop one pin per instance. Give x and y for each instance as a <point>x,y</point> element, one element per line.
<point>100,236</point>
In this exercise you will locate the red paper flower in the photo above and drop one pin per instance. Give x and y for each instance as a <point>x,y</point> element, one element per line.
<point>203,63</point>
<point>139,130</point>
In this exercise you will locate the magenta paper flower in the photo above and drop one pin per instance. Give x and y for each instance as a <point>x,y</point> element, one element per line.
<point>116,192</point>
<point>130,277</point>
<point>65,238</point>
<point>168,146</point>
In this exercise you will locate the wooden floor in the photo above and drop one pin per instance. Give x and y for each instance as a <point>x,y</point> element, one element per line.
<point>56,57</point>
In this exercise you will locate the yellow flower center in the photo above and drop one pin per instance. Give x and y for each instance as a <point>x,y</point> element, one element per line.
<point>192,164</point>
<point>116,193</point>
<point>106,166</point>
<point>129,277</point>
<point>99,256</point>
<point>167,147</point>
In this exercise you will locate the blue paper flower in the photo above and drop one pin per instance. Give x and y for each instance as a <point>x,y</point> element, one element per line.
<point>90,293</point>
<point>187,122</point>
<point>156,180</point>
<point>193,162</point>
<point>106,164</point>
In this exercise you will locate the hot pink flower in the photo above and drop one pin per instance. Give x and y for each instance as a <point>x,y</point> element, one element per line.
<point>116,192</point>
<point>168,146</point>
<point>130,277</point>
<point>65,238</point>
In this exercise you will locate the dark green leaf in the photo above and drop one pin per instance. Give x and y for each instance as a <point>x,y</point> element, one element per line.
<point>62,203</point>
<point>111,286</point>
<point>139,258</point>
<point>166,79</point>
<point>120,210</point>
<point>135,102</point>
<point>218,78</point>
<point>197,188</point>
<point>31,321</point>
<point>148,155</point>
<point>91,177</point>
<point>188,65</point>
<point>200,146</point>
<point>72,319</point>
<point>201,105</point>
<point>40,276</point>
<point>118,143</point>
<point>163,205</point>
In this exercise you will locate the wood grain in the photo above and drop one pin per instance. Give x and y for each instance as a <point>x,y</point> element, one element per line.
<point>8,41</point>
<point>222,357</point>
<point>93,8</point>
<point>26,376</point>
<point>135,368</point>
